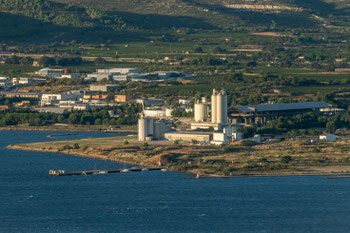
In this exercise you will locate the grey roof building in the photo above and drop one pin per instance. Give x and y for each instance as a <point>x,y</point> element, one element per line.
<point>261,114</point>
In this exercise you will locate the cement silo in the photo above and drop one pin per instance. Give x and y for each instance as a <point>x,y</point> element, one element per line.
<point>224,107</point>
<point>213,106</point>
<point>200,112</point>
<point>159,130</point>
<point>219,108</point>
<point>142,128</point>
<point>149,127</point>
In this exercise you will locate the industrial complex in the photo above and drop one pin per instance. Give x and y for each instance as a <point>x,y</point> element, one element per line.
<point>219,131</point>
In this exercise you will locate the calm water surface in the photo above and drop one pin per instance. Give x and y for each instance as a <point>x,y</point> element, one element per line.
<point>32,201</point>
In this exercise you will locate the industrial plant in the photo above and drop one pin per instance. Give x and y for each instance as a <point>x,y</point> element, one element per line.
<point>214,130</point>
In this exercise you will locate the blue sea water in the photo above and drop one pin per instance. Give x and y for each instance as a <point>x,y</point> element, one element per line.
<point>154,201</point>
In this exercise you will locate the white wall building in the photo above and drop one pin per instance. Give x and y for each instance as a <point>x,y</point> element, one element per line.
<point>53,99</point>
<point>328,137</point>
<point>154,113</point>
<point>118,70</point>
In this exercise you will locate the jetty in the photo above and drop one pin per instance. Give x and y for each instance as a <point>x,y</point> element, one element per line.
<point>102,171</point>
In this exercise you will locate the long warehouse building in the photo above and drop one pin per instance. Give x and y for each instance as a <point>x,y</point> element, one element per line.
<point>261,114</point>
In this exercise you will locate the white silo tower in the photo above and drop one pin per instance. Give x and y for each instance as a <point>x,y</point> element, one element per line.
<point>219,108</point>
<point>142,128</point>
<point>213,106</point>
<point>224,107</point>
<point>200,112</point>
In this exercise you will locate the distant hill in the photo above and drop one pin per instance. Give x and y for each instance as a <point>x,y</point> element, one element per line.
<point>91,20</point>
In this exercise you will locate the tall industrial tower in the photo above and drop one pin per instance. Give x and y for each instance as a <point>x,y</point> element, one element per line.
<point>219,107</point>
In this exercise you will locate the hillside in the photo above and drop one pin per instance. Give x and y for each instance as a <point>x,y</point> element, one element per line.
<point>125,20</point>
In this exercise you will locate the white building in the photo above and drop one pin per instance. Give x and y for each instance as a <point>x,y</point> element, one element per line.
<point>328,137</point>
<point>118,70</point>
<point>54,99</point>
<point>184,101</point>
<point>49,72</point>
<point>154,113</point>
<point>219,138</point>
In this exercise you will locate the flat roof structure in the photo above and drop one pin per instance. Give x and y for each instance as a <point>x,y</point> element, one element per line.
<point>282,107</point>
<point>263,113</point>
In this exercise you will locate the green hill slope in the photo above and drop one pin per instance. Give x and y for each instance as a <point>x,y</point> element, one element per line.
<point>91,20</point>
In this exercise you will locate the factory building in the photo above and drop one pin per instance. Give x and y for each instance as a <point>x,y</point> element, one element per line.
<point>150,129</point>
<point>205,137</point>
<point>218,112</point>
<point>263,113</point>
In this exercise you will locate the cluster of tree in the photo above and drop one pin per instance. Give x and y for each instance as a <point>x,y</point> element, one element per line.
<point>305,121</point>
<point>61,14</point>
<point>126,114</point>
<point>60,61</point>
<point>19,60</point>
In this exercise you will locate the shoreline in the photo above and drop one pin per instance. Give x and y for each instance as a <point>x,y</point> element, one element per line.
<point>77,129</point>
<point>243,175</point>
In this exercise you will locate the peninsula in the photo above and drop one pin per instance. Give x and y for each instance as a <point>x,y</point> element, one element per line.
<point>243,158</point>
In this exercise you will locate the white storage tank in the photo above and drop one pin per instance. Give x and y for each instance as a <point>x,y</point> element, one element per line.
<point>200,112</point>
<point>213,107</point>
<point>224,103</point>
<point>220,109</point>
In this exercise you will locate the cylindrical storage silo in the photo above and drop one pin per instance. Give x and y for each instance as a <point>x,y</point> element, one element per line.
<point>219,110</point>
<point>225,112</point>
<point>200,112</point>
<point>213,107</point>
<point>142,129</point>
<point>168,112</point>
<point>159,130</point>
<point>149,127</point>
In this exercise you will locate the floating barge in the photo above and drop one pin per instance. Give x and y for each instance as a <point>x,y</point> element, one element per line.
<point>103,171</point>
